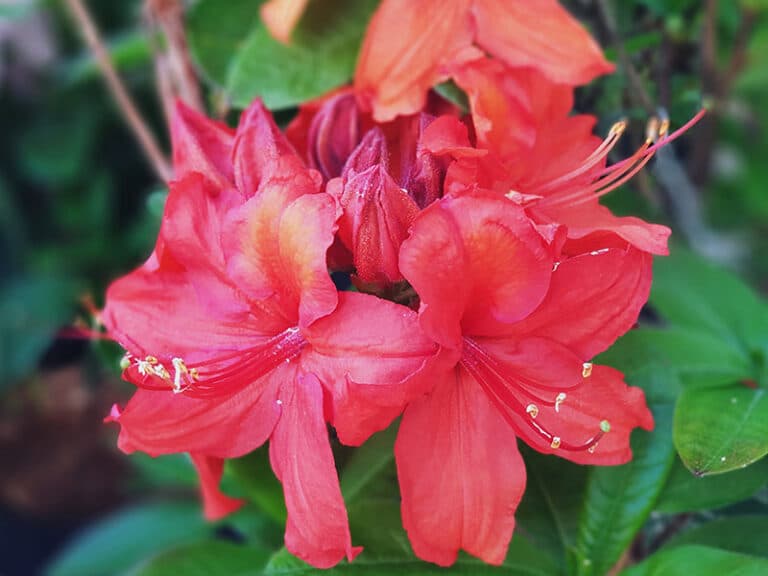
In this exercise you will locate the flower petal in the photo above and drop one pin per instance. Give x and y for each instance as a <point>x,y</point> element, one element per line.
<point>373,357</point>
<point>591,217</point>
<point>281,16</point>
<point>277,252</point>
<point>159,422</point>
<point>263,157</point>
<point>602,401</point>
<point>540,34</point>
<point>216,504</point>
<point>201,145</point>
<point>593,299</point>
<point>405,51</point>
<point>376,212</point>
<point>461,476</point>
<point>486,245</point>
<point>317,530</point>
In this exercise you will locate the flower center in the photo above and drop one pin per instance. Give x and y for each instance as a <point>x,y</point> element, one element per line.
<point>218,376</point>
<point>518,399</point>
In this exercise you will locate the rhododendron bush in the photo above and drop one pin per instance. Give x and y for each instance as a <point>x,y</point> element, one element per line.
<point>392,322</point>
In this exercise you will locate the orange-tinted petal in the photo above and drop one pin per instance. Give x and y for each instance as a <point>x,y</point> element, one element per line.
<point>593,299</point>
<point>405,51</point>
<point>373,357</point>
<point>474,260</point>
<point>461,476</point>
<point>317,530</point>
<point>591,217</point>
<point>603,406</point>
<point>281,16</point>
<point>540,34</point>
<point>160,422</point>
<point>277,249</point>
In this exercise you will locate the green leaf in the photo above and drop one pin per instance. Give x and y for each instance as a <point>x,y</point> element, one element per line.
<point>216,33</point>
<point>206,559</point>
<point>522,560</point>
<point>743,534</point>
<point>370,463</point>
<point>619,499</point>
<point>320,56</point>
<point>690,292</point>
<point>701,359</point>
<point>120,540</point>
<point>723,429</point>
<point>549,512</point>
<point>701,561</point>
<point>685,492</point>
<point>32,309</point>
<point>644,363</point>
<point>254,475</point>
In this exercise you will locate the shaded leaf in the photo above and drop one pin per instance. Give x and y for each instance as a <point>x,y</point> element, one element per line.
<point>216,33</point>
<point>206,559</point>
<point>320,57</point>
<point>685,492</point>
<point>692,293</point>
<point>743,534</point>
<point>254,475</point>
<point>549,512</point>
<point>619,499</point>
<point>701,561</point>
<point>120,540</point>
<point>32,309</point>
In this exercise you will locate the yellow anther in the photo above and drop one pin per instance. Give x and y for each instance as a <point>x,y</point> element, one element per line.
<point>605,426</point>
<point>555,443</point>
<point>125,362</point>
<point>532,410</point>
<point>586,369</point>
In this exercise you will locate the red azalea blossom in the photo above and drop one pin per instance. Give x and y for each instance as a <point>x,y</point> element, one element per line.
<point>382,175</point>
<point>520,336</point>
<point>548,161</point>
<point>411,45</point>
<point>236,334</point>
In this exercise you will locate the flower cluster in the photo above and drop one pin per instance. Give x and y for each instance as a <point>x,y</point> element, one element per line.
<point>487,276</point>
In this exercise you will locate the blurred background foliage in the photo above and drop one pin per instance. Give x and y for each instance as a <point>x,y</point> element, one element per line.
<point>79,205</point>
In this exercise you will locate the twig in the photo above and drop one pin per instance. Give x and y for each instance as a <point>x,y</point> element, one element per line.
<point>124,102</point>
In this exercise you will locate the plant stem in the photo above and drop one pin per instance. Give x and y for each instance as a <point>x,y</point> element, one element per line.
<point>124,102</point>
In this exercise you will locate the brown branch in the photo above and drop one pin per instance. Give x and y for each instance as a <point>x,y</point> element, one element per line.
<point>124,102</point>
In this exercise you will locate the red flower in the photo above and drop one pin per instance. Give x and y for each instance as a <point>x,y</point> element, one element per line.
<point>521,337</point>
<point>548,161</point>
<point>412,45</point>
<point>382,175</point>
<point>236,334</point>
